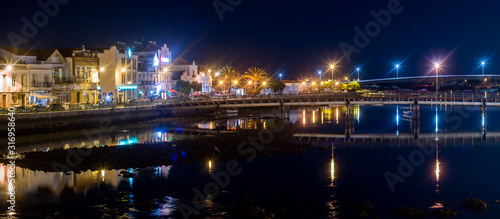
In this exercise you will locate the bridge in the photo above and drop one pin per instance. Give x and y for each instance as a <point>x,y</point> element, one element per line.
<point>473,79</point>
<point>403,139</point>
<point>415,99</point>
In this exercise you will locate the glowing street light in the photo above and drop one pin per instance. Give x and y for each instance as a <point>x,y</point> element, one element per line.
<point>281,76</point>
<point>319,72</point>
<point>101,69</point>
<point>250,82</point>
<point>332,67</point>
<point>436,65</point>
<point>9,67</point>
<point>482,65</point>
<point>397,70</point>
<point>123,69</point>
<point>358,69</point>
<point>235,82</point>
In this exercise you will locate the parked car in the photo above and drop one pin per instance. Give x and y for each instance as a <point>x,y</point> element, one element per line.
<point>3,111</point>
<point>90,106</point>
<point>23,109</point>
<point>56,107</point>
<point>132,102</point>
<point>74,107</point>
<point>39,108</point>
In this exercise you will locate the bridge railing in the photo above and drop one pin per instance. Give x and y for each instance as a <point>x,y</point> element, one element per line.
<point>336,97</point>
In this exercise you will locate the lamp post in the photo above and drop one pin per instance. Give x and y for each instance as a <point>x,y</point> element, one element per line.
<point>482,64</point>
<point>319,72</point>
<point>264,83</point>
<point>281,76</point>
<point>397,70</point>
<point>332,67</point>
<point>436,65</point>
<point>357,69</point>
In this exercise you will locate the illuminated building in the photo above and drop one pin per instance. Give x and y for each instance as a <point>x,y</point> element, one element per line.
<point>78,83</point>
<point>119,78</point>
<point>27,76</point>
<point>154,62</point>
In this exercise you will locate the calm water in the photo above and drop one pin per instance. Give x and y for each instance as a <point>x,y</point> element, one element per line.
<point>332,180</point>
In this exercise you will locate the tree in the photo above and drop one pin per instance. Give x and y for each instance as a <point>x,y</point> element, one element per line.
<point>255,75</point>
<point>184,87</point>
<point>354,86</point>
<point>276,85</point>
<point>230,73</point>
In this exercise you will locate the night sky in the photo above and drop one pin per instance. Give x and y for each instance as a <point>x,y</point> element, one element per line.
<point>295,37</point>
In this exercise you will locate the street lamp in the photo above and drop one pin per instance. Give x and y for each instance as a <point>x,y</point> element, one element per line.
<point>397,70</point>
<point>358,69</point>
<point>319,72</point>
<point>332,67</point>
<point>9,67</point>
<point>436,65</point>
<point>482,64</point>
<point>101,69</point>
<point>281,76</point>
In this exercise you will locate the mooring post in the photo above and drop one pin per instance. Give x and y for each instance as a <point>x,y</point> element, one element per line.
<point>416,110</point>
<point>217,111</point>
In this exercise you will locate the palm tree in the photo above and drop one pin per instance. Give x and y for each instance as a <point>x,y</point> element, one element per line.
<point>255,75</point>
<point>230,74</point>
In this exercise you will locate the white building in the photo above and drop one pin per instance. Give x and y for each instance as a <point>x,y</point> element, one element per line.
<point>119,81</point>
<point>27,76</point>
<point>182,69</point>
<point>153,64</point>
<point>205,80</point>
<point>293,87</point>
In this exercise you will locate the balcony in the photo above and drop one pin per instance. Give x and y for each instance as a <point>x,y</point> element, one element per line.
<point>41,84</point>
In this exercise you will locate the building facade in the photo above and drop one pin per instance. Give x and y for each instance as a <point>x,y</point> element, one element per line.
<point>27,77</point>
<point>79,83</point>
<point>119,78</point>
<point>153,64</point>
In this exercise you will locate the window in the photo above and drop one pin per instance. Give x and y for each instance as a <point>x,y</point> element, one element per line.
<point>135,78</point>
<point>134,63</point>
<point>14,80</point>
<point>128,64</point>
<point>123,62</point>
<point>35,79</point>
<point>23,80</point>
<point>123,78</point>
<point>46,79</point>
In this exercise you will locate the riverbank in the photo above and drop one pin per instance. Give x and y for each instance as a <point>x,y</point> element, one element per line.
<point>36,123</point>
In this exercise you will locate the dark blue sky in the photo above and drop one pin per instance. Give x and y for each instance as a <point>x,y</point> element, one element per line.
<point>297,37</point>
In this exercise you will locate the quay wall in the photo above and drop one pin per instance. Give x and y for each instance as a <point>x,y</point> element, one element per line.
<point>46,122</point>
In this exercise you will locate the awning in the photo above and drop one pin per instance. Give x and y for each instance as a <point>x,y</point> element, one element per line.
<point>43,96</point>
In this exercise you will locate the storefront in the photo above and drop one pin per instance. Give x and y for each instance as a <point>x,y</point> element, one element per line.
<point>42,98</point>
<point>126,92</point>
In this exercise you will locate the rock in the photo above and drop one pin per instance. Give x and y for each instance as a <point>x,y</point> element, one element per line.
<point>475,204</point>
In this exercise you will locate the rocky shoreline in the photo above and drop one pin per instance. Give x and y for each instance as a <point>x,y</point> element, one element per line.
<point>221,147</point>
